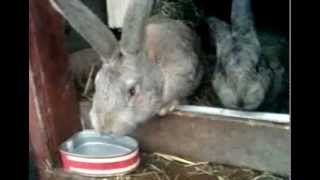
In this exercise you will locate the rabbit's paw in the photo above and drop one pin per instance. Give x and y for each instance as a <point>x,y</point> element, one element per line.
<point>163,111</point>
<point>168,108</point>
<point>173,105</point>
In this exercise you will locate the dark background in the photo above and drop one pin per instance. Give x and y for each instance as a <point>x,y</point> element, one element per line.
<point>269,14</point>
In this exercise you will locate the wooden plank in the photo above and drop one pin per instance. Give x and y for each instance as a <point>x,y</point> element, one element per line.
<point>53,109</point>
<point>38,140</point>
<point>261,146</point>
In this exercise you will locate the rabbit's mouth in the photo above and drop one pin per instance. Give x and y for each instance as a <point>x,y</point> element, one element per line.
<point>118,128</point>
<point>101,123</point>
<point>114,123</point>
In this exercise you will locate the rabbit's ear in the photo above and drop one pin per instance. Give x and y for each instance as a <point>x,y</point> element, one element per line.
<point>133,30</point>
<point>220,33</point>
<point>89,26</point>
<point>243,22</point>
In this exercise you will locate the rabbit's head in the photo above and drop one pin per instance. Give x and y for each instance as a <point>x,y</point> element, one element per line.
<point>128,87</point>
<point>124,96</point>
<point>248,94</point>
<point>247,82</point>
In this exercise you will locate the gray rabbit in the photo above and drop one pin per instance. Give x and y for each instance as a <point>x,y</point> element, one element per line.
<point>243,77</point>
<point>152,68</point>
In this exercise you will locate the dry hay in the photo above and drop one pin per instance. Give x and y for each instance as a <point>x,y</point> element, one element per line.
<point>159,166</point>
<point>184,10</point>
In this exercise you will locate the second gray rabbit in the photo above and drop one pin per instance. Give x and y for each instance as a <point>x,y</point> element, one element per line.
<point>243,78</point>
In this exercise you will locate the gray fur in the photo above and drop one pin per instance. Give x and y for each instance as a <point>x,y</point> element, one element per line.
<point>88,25</point>
<point>243,77</point>
<point>157,56</point>
<point>133,26</point>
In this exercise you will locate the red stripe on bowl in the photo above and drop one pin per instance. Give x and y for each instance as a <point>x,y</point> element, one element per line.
<point>98,166</point>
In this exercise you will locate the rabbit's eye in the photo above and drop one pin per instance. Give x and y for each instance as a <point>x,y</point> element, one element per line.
<point>132,91</point>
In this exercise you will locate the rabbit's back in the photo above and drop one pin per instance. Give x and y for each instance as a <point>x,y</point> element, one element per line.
<point>175,48</point>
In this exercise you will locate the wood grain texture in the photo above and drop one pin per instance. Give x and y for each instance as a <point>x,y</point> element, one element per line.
<point>53,110</point>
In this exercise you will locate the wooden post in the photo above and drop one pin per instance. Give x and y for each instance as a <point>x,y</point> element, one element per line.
<point>53,108</point>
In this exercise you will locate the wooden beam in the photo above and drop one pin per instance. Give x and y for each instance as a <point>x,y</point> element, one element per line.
<point>233,141</point>
<point>53,108</point>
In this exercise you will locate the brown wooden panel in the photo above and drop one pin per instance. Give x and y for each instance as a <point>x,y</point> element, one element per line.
<point>53,109</point>
<point>261,146</point>
<point>38,138</point>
